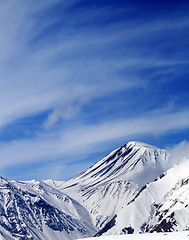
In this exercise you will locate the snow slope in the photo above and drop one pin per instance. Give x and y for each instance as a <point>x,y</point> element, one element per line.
<point>147,236</point>
<point>162,205</point>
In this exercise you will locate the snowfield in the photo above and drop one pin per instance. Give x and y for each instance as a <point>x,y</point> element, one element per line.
<point>147,236</point>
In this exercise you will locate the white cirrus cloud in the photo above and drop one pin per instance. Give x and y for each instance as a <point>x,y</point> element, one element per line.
<point>85,139</point>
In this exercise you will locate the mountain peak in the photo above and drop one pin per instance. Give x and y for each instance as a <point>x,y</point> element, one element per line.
<point>3,180</point>
<point>131,162</point>
<point>139,145</point>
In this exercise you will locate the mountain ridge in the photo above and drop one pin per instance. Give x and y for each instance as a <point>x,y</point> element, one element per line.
<point>131,190</point>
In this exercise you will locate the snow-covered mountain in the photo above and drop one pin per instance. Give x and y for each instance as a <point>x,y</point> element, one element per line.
<point>116,180</point>
<point>131,190</point>
<point>34,210</point>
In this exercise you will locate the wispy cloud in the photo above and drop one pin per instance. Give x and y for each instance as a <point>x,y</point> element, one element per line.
<point>55,76</point>
<point>86,139</point>
<point>178,152</point>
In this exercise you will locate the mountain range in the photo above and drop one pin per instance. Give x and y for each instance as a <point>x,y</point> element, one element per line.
<point>134,189</point>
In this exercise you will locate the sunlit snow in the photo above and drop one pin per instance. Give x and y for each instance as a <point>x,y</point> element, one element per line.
<point>147,236</point>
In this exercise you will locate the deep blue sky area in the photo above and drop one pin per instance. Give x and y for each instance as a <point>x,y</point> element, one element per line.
<point>81,78</point>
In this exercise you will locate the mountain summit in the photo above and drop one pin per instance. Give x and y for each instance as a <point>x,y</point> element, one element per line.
<point>131,190</point>
<point>135,161</point>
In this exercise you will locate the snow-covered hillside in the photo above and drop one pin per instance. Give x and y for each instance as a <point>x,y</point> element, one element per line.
<point>162,205</point>
<point>131,190</point>
<point>147,236</point>
<point>34,210</point>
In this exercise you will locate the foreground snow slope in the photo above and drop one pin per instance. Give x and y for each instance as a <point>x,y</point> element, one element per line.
<point>147,236</point>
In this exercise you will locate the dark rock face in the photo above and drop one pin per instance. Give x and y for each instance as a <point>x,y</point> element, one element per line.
<point>166,225</point>
<point>108,226</point>
<point>128,230</point>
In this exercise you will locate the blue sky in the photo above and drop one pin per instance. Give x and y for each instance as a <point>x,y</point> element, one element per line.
<point>81,78</point>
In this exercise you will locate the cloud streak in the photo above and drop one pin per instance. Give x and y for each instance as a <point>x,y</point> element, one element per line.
<point>86,139</point>
<point>32,82</point>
